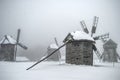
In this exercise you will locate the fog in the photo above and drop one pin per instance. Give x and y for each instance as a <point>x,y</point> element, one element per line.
<point>42,20</point>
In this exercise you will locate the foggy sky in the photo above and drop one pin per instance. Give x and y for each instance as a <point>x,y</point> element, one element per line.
<point>42,20</point>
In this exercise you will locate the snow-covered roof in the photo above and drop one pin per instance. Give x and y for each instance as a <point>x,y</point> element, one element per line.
<point>79,35</point>
<point>110,41</point>
<point>7,40</point>
<point>53,45</point>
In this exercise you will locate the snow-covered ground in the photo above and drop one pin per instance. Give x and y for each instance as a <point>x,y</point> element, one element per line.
<point>55,71</point>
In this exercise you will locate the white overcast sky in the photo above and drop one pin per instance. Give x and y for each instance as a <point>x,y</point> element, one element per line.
<point>42,20</point>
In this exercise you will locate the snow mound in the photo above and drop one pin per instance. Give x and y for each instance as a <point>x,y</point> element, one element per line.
<point>80,35</point>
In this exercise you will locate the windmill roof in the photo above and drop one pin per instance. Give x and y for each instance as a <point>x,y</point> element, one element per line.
<point>53,45</point>
<point>7,40</point>
<point>79,35</point>
<point>110,41</point>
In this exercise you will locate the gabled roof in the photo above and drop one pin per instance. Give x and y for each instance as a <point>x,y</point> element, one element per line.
<point>7,40</point>
<point>110,42</point>
<point>78,35</point>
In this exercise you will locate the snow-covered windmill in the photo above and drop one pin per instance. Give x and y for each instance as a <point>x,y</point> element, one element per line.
<point>52,47</point>
<point>8,47</point>
<point>103,37</point>
<point>18,43</point>
<point>79,46</point>
<point>110,53</point>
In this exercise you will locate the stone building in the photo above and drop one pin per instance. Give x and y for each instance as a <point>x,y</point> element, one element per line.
<point>79,49</point>
<point>110,54</point>
<point>56,56</point>
<point>7,48</point>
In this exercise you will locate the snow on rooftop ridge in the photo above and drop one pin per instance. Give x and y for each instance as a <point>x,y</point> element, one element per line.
<point>7,40</point>
<point>80,35</point>
<point>53,45</point>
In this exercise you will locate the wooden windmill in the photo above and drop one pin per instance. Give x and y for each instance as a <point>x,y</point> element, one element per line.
<point>18,43</point>
<point>82,48</point>
<point>93,31</point>
<point>110,53</point>
<point>8,48</point>
<point>52,47</point>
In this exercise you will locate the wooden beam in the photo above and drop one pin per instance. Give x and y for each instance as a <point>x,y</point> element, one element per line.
<point>47,56</point>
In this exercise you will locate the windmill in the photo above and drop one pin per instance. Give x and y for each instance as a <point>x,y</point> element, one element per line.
<point>9,47</point>
<point>110,51</point>
<point>52,47</point>
<point>73,45</point>
<point>93,31</point>
<point>18,44</point>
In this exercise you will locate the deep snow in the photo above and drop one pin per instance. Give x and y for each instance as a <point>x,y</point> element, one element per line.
<point>55,71</point>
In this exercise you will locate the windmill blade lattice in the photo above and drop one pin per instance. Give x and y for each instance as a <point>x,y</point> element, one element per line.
<point>100,37</point>
<point>95,22</point>
<point>84,27</point>
<point>97,52</point>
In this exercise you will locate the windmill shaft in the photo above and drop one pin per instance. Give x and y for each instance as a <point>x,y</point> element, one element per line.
<point>47,56</point>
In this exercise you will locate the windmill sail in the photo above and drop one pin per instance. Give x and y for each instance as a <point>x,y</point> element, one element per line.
<point>59,54</point>
<point>18,36</point>
<point>23,46</point>
<point>18,43</point>
<point>95,22</point>
<point>104,36</point>
<point>56,41</point>
<point>96,52</point>
<point>84,27</point>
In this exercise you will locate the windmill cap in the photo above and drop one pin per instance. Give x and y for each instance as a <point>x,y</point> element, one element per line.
<point>7,40</point>
<point>78,36</point>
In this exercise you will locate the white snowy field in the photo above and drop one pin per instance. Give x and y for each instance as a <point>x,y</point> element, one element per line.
<point>55,71</point>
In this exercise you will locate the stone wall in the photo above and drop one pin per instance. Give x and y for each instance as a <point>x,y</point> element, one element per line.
<point>79,52</point>
<point>7,52</point>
